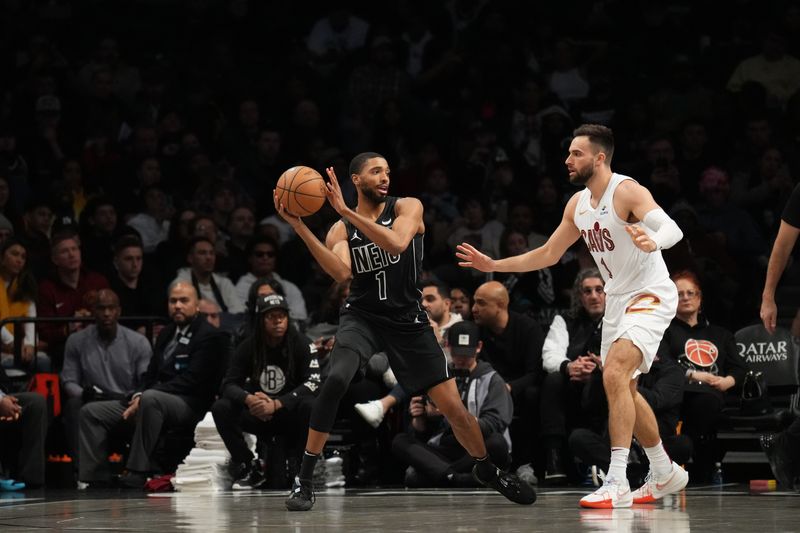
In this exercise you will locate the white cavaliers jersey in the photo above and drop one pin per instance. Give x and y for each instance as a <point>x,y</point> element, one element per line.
<point>624,267</point>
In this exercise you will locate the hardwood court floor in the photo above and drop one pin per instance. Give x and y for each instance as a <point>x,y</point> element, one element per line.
<point>702,509</point>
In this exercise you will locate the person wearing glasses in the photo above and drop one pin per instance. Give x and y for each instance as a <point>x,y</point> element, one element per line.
<point>713,370</point>
<point>570,357</point>
<point>262,258</point>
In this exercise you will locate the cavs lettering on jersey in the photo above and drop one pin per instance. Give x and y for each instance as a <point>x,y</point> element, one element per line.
<point>383,282</point>
<point>624,267</point>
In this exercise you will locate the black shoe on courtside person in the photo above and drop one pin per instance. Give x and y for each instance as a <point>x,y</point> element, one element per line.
<point>302,496</point>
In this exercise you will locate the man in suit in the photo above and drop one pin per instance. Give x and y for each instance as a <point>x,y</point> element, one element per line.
<point>188,361</point>
<point>23,428</point>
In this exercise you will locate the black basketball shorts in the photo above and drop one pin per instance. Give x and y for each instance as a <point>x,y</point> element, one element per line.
<point>408,340</point>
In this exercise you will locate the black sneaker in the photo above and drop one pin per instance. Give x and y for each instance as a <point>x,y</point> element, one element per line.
<point>554,474</point>
<point>132,480</point>
<point>302,496</point>
<point>780,461</point>
<point>509,485</point>
<point>250,476</point>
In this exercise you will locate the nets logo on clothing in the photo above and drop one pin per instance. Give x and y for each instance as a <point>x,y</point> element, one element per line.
<point>598,239</point>
<point>272,379</point>
<point>371,257</point>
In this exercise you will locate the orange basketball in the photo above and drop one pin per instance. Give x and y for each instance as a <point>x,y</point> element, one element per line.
<point>301,190</point>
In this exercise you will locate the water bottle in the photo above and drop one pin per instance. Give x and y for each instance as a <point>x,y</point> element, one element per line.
<point>716,474</point>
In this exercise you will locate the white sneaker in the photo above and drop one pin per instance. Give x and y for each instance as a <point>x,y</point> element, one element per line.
<point>614,494</point>
<point>655,488</point>
<point>526,474</point>
<point>389,378</point>
<point>371,411</point>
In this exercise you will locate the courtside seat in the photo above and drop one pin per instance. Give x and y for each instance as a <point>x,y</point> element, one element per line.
<point>776,357</point>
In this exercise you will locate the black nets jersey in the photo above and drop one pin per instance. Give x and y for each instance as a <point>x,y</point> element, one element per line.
<point>383,283</point>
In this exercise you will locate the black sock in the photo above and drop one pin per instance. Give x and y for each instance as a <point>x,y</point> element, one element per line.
<point>485,469</point>
<point>307,466</point>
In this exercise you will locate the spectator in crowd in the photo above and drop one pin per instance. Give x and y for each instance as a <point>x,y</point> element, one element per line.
<point>13,186</point>
<point>23,419</point>
<point>334,37</point>
<point>262,259</point>
<point>733,226</point>
<point>570,357</point>
<point>19,300</point>
<point>98,231</point>
<point>766,189</point>
<point>49,143</point>
<point>436,302</point>
<point>241,226</point>
<point>222,202</point>
<point>774,69</point>
<point>170,255</point>
<point>461,302</point>
<point>713,368</point>
<point>268,390</point>
<point>124,79</point>
<point>104,361</point>
<point>153,221</point>
<point>441,210</point>
<point>6,229</point>
<point>259,172</point>
<point>205,226</point>
<point>432,452</point>
<point>512,344</point>
<point>63,293</point>
<point>477,228</point>
<point>326,315</point>
<point>138,294</point>
<point>529,293</point>
<point>189,358</point>
<point>37,221</point>
<point>209,285</point>
<point>211,311</point>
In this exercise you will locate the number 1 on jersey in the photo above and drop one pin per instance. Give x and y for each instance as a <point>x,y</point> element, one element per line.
<point>603,262</point>
<point>381,277</point>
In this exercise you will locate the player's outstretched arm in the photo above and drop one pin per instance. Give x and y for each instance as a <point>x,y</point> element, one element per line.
<point>407,222</point>
<point>333,256</point>
<point>631,198</point>
<point>784,242</point>
<point>546,255</point>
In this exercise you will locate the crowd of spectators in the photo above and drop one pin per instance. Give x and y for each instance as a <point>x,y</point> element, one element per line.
<point>140,143</point>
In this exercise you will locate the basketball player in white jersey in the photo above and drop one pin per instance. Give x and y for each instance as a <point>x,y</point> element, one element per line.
<point>625,230</point>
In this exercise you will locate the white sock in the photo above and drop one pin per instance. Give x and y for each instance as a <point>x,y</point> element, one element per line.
<point>660,463</point>
<point>619,464</point>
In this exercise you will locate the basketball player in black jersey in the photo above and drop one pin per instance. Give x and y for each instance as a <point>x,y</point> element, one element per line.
<point>379,245</point>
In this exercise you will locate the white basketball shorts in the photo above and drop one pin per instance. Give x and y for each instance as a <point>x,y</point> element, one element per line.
<point>641,317</point>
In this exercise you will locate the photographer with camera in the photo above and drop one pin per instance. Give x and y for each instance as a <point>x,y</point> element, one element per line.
<point>104,361</point>
<point>434,456</point>
<point>570,358</point>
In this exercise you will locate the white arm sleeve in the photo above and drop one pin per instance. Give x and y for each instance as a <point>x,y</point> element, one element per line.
<point>554,351</point>
<point>665,231</point>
